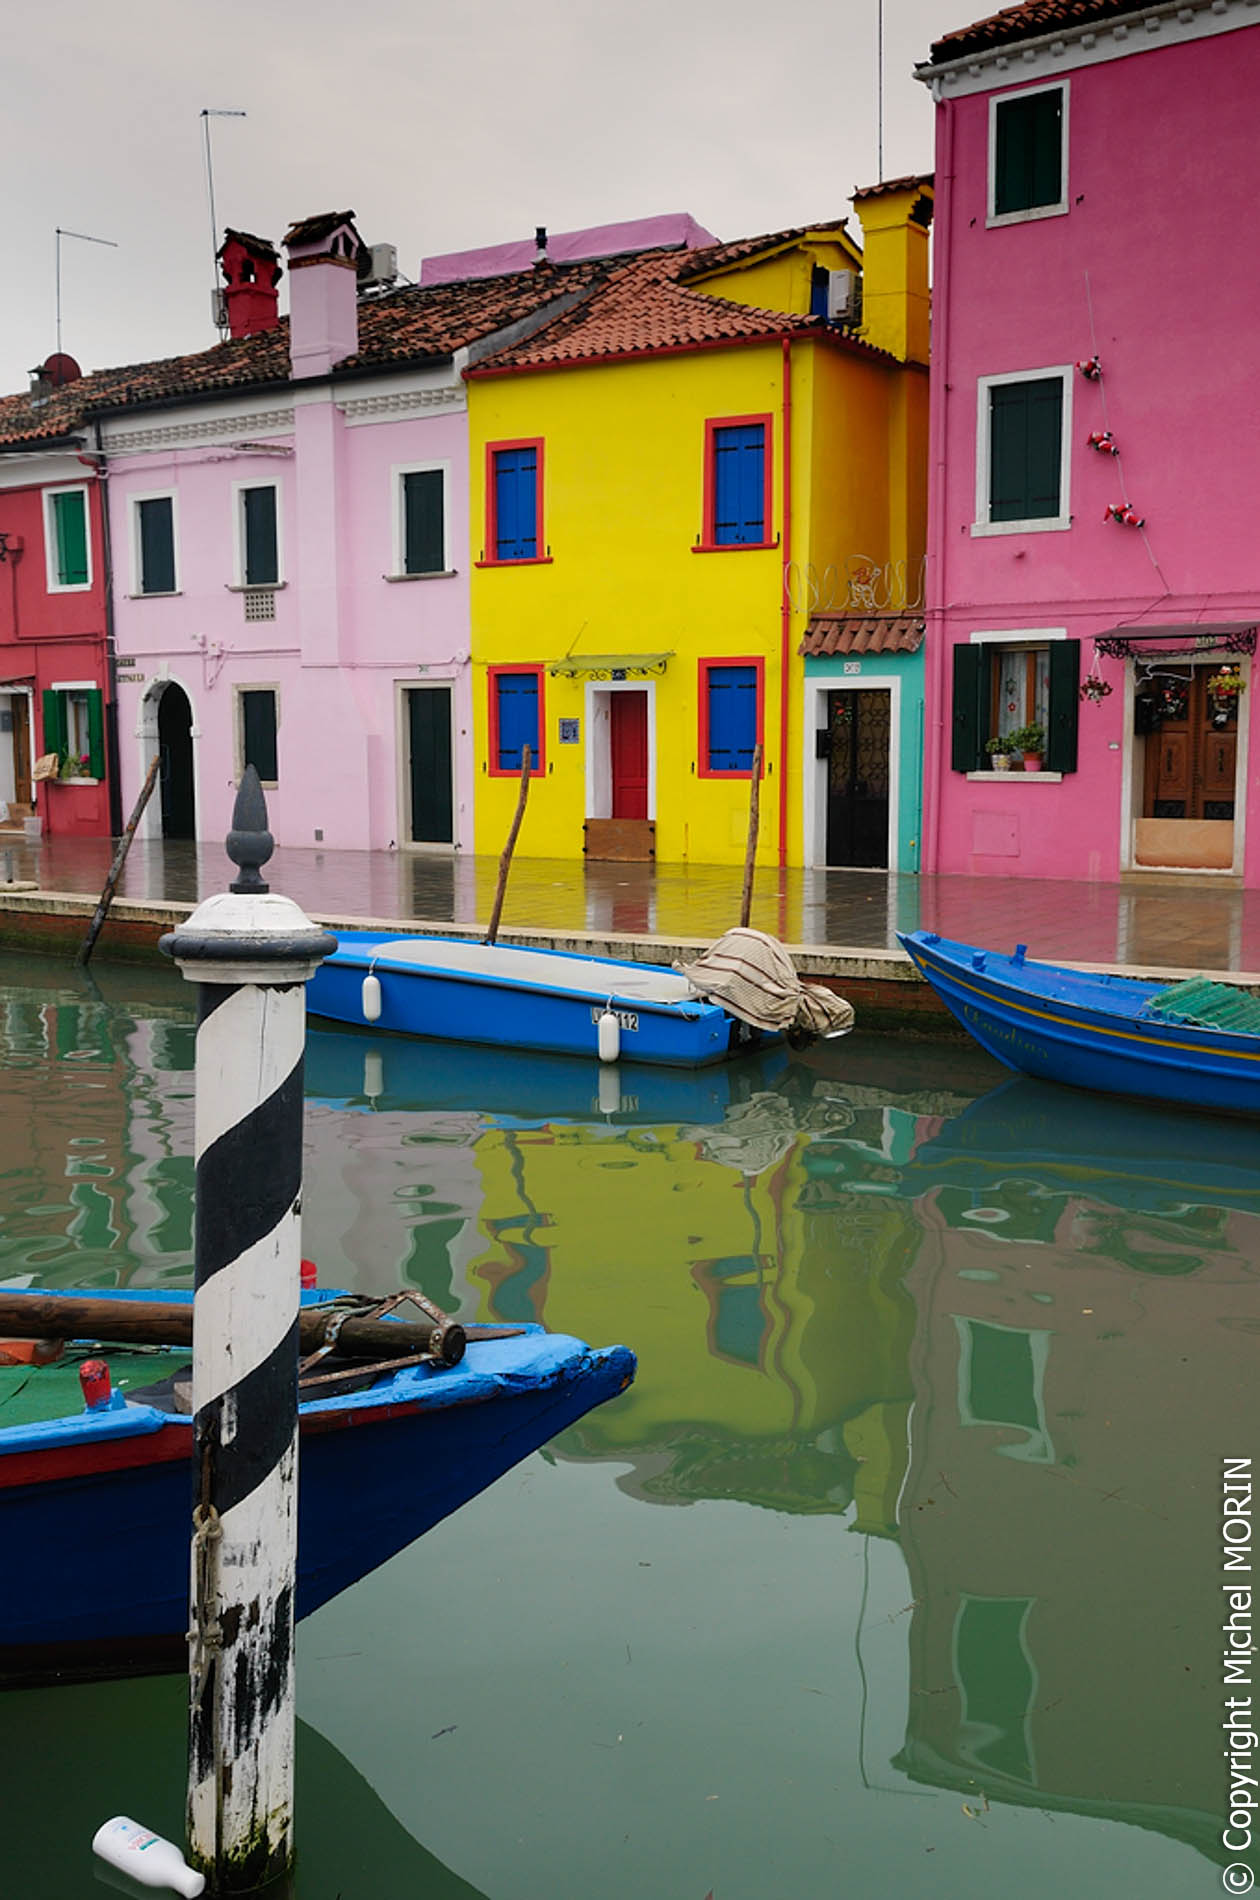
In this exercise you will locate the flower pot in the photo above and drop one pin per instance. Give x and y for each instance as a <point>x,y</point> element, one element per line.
<point>1032,761</point>
<point>1000,762</point>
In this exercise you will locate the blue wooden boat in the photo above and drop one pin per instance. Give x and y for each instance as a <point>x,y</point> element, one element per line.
<point>1111,1033</point>
<point>516,998</point>
<point>95,1505</point>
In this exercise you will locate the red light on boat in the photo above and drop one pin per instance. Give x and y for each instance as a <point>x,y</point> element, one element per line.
<point>94,1378</point>
<point>310,1273</point>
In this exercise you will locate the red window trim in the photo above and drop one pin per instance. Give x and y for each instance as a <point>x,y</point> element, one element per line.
<point>537,765</point>
<point>707,544</point>
<point>490,559</point>
<point>702,756</point>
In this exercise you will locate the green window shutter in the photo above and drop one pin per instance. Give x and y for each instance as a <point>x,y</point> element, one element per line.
<point>262,550</point>
<point>258,733</point>
<point>424,550</point>
<point>70,527</point>
<point>54,722</point>
<point>96,734</point>
<point>1025,442</point>
<point>157,545</point>
<point>1065,677</point>
<point>971,678</point>
<point>1028,152</point>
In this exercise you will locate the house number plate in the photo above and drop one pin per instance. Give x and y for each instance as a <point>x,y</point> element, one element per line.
<point>628,1018</point>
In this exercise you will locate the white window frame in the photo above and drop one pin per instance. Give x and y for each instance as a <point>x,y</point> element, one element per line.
<point>1022,638</point>
<point>597,729</point>
<point>1061,205</point>
<point>238,715</point>
<point>55,585</point>
<point>398,520</point>
<point>814,774</point>
<point>238,533</point>
<point>137,564</point>
<point>1038,524</point>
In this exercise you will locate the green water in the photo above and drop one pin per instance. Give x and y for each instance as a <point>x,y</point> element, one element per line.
<point>897,1571</point>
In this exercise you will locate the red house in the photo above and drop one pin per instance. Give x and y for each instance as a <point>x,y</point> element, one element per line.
<point>55,699</point>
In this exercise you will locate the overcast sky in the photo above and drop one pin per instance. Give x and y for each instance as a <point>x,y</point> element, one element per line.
<point>444,126</point>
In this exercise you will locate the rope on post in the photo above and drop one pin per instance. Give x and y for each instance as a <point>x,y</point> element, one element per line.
<point>250,953</point>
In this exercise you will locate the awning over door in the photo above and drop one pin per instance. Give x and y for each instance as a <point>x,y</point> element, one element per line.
<point>828,634</point>
<point>609,666</point>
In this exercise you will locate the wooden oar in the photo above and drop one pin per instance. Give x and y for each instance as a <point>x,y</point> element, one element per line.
<point>162,1323</point>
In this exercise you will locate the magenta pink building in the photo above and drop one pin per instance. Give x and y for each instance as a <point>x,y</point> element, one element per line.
<point>1094,588</point>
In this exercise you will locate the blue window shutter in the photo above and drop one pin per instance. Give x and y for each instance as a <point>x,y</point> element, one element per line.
<point>517,703</point>
<point>515,504</point>
<point>739,468</point>
<point>732,692</point>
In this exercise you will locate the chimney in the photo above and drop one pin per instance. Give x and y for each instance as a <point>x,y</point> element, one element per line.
<point>323,292</point>
<point>896,303</point>
<point>540,246</point>
<point>251,271</point>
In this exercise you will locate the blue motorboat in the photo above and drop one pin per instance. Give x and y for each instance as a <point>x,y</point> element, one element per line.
<point>515,998</point>
<point>95,1505</point>
<point>1162,1042</point>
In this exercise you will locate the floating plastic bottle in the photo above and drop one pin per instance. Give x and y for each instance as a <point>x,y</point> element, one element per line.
<point>146,1857</point>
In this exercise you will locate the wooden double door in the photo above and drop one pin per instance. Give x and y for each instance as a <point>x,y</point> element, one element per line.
<point>1189,780</point>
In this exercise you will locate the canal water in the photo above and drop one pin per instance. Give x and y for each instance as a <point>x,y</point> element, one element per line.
<point>896,1573</point>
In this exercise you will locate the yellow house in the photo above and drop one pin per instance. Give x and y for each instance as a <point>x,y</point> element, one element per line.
<point>668,484</point>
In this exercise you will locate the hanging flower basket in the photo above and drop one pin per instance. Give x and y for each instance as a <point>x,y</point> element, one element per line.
<point>1094,688</point>
<point>1226,683</point>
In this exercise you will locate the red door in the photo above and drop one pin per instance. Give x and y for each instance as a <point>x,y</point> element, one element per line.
<point>628,714</point>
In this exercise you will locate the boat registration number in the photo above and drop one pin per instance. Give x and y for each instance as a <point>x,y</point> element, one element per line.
<point>628,1018</point>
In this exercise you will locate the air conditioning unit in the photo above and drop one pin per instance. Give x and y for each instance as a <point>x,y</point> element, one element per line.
<point>844,296</point>
<point>381,267</point>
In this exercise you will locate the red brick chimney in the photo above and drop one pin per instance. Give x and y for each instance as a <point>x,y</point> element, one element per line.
<point>252,269</point>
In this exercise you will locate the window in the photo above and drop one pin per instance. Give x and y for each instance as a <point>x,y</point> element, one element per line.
<point>259,536</point>
<point>737,483</point>
<point>1022,441</point>
<point>730,716</point>
<point>514,473</point>
<point>257,720</point>
<point>74,728</point>
<point>1001,1382</point>
<point>1028,155</point>
<point>153,545</point>
<point>420,546</point>
<point>516,699</point>
<point>997,1683</point>
<point>1004,681</point>
<point>69,555</point>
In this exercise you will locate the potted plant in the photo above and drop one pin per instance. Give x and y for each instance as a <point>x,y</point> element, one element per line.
<point>1031,741</point>
<point>999,751</point>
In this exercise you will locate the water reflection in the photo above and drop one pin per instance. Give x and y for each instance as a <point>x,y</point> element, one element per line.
<point>1008,1332</point>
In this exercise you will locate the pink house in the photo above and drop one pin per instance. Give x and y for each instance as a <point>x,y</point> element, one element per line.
<point>1095,444</point>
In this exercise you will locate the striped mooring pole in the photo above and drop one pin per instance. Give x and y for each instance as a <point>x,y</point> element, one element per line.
<point>250,953</point>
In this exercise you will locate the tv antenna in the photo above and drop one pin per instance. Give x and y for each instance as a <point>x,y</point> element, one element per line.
<point>84,237</point>
<point>208,113</point>
<point>879,89</point>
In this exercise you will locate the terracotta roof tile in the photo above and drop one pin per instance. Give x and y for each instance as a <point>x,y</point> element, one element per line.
<point>411,324</point>
<point>644,307</point>
<point>718,256</point>
<point>322,225</point>
<point>1027,22</point>
<point>912,182</point>
<point>827,634</point>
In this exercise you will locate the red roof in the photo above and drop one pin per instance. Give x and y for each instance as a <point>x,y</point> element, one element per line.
<point>1027,22</point>
<point>412,324</point>
<point>913,181</point>
<point>646,306</point>
<point>827,634</point>
<point>717,256</point>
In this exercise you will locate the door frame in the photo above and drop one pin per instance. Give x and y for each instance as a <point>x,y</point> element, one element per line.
<point>15,689</point>
<point>402,755</point>
<point>598,747</point>
<point>1134,763</point>
<point>146,734</point>
<point>814,773</point>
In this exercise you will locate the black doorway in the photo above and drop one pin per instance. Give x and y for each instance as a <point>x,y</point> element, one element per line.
<point>856,747</point>
<point>179,815</point>
<point>429,764</point>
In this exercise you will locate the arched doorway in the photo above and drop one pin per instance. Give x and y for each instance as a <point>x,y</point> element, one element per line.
<point>174,732</point>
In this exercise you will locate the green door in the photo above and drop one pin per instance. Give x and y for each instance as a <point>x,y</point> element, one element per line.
<point>429,738</point>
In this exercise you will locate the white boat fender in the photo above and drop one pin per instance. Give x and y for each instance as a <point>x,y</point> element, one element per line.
<point>609,1035</point>
<point>371,996</point>
<point>609,1091</point>
<point>373,1069</point>
<point>150,1860</point>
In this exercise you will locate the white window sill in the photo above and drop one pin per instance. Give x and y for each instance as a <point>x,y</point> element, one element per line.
<point>997,218</point>
<point>431,574</point>
<point>74,781</point>
<point>1044,524</point>
<point>162,593</point>
<point>255,587</point>
<point>1016,774</point>
<point>70,587</point>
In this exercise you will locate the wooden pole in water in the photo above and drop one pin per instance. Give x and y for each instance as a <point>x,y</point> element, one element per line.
<point>505,862</point>
<point>250,954</point>
<point>754,825</point>
<point>120,858</point>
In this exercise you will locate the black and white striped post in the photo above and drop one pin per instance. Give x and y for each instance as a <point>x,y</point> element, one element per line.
<point>250,952</point>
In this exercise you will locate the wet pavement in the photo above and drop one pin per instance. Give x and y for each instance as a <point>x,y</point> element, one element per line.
<point>1175,926</point>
